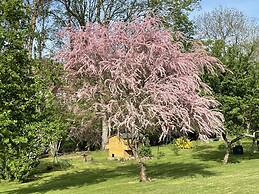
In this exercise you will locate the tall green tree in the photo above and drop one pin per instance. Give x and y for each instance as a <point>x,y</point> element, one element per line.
<point>24,122</point>
<point>237,89</point>
<point>174,13</point>
<point>233,37</point>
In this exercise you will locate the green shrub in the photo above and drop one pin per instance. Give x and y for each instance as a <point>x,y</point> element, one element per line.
<point>145,151</point>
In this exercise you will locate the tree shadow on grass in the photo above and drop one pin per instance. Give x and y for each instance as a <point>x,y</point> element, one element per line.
<point>202,147</point>
<point>207,154</point>
<point>48,166</point>
<point>95,176</point>
<point>178,170</point>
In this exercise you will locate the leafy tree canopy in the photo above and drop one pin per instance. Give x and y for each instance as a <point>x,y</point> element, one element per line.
<point>27,119</point>
<point>237,88</point>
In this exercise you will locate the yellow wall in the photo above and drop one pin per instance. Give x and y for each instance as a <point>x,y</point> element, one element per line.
<point>117,146</point>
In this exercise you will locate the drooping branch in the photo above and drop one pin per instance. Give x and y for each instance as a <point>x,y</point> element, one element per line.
<point>142,77</point>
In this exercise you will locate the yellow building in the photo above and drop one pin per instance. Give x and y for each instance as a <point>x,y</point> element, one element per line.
<point>118,148</point>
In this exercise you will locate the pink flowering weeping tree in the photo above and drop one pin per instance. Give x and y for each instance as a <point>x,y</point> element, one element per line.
<point>139,75</point>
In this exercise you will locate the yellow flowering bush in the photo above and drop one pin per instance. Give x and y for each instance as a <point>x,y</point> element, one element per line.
<point>183,143</point>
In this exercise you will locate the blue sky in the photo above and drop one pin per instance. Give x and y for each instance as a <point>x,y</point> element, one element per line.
<point>249,7</point>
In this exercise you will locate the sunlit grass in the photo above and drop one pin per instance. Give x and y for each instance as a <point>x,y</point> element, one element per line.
<point>198,170</point>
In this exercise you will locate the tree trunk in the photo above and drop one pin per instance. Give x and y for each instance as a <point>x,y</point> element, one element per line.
<point>134,145</point>
<point>229,145</point>
<point>34,14</point>
<point>142,174</point>
<point>98,10</point>
<point>54,148</point>
<point>252,149</point>
<point>248,128</point>
<point>41,37</point>
<point>226,157</point>
<point>105,131</point>
<point>228,148</point>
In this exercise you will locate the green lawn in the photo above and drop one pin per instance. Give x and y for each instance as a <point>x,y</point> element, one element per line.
<point>192,171</point>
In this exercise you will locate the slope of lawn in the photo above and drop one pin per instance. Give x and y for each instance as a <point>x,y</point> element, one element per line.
<point>198,170</point>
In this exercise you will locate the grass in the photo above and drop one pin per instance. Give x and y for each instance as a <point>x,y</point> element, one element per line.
<point>198,170</point>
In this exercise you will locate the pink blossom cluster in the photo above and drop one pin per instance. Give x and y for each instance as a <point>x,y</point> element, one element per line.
<point>140,75</point>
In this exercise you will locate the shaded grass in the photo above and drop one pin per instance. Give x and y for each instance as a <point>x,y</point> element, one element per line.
<point>192,171</point>
<point>209,153</point>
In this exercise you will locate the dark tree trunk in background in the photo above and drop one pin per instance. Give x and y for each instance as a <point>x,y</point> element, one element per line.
<point>253,147</point>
